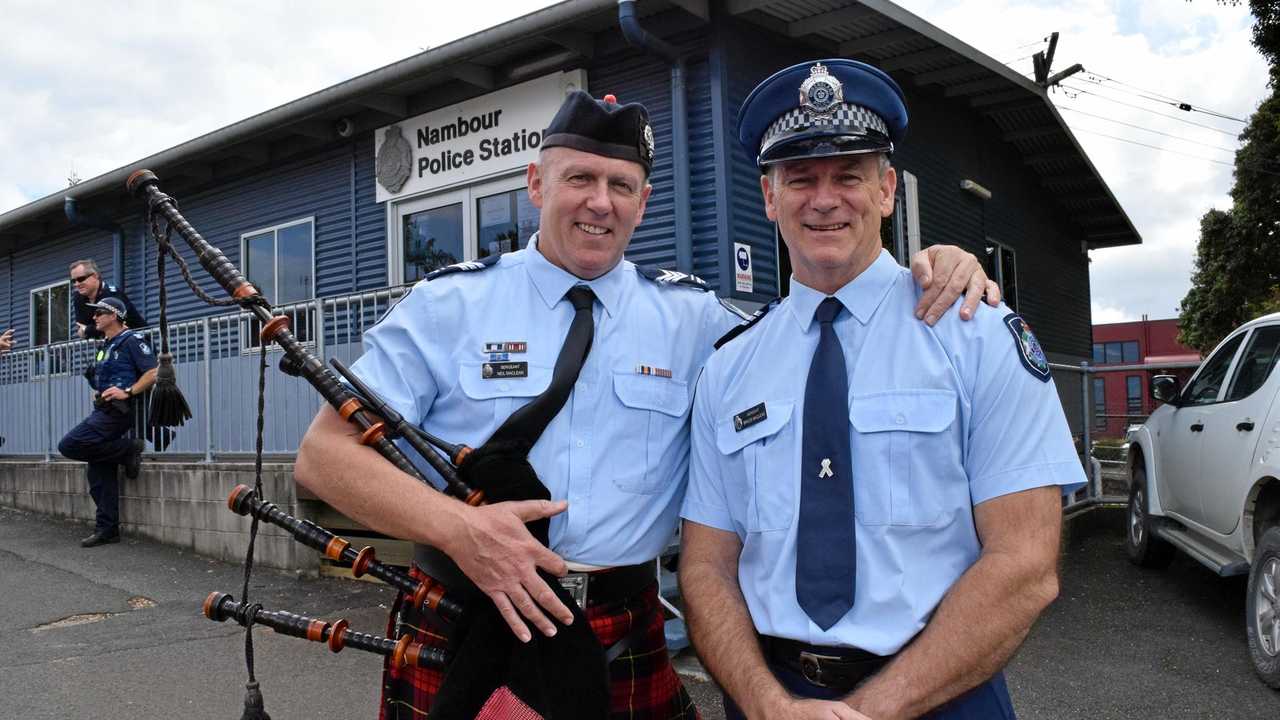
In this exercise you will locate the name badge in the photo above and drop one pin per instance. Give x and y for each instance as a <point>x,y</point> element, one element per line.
<point>495,370</point>
<point>749,417</point>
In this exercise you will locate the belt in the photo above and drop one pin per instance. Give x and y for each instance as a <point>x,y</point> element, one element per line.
<point>601,587</point>
<point>840,668</point>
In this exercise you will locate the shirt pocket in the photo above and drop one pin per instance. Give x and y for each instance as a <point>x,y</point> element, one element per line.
<point>768,455</point>
<point>903,457</point>
<point>503,396</point>
<point>652,431</point>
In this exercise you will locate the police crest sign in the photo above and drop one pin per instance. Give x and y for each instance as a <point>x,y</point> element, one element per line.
<point>1029,350</point>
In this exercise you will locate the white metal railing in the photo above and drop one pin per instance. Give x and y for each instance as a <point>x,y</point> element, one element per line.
<point>43,393</point>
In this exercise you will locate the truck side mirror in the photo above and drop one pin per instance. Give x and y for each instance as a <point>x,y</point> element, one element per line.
<point>1165,389</point>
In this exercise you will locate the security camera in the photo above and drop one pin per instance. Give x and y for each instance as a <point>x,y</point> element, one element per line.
<point>344,127</point>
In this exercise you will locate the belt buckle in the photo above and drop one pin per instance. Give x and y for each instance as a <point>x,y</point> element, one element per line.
<point>576,584</point>
<point>811,667</point>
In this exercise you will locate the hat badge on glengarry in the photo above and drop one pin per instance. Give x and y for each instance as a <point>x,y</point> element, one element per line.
<point>821,93</point>
<point>647,138</point>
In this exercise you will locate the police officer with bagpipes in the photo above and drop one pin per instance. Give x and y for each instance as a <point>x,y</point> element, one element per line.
<point>564,339</point>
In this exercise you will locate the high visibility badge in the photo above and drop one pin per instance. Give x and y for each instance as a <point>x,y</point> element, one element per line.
<point>1029,350</point>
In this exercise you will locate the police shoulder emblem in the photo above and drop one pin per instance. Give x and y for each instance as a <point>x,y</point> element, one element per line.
<point>1029,350</point>
<point>671,277</point>
<point>745,326</point>
<point>821,93</point>
<point>469,266</point>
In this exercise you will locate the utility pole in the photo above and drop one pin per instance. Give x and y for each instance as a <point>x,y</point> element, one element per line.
<point>1042,62</point>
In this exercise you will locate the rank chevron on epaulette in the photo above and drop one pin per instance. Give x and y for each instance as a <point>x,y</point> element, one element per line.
<point>468,266</point>
<point>672,277</point>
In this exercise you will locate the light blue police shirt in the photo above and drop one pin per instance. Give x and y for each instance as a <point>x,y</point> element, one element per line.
<point>619,449</point>
<point>940,420</point>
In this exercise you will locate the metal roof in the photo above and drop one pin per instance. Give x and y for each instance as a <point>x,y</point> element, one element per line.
<point>563,36</point>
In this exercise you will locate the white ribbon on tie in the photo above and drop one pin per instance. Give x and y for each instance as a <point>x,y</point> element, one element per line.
<point>826,468</point>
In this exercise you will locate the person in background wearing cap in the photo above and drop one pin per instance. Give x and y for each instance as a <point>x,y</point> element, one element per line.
<point>125,368</point>
<point>474,342</point>
<point>864,536</point>
<point>87,281</point>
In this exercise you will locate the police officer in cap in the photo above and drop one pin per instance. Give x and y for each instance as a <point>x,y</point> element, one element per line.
<point>90,289</point>
<point>873,513</point>
<point>472,343</point>
<point>125,367</point>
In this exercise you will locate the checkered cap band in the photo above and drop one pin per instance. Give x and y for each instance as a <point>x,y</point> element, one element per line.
<point>846,115</point>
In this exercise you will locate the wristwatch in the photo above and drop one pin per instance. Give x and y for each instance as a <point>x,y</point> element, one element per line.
<point>129,391</point>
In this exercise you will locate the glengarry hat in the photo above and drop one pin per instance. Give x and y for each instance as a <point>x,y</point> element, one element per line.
<point>602,127</point>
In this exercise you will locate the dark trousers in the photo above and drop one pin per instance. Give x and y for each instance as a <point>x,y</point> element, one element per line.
<point>988,701</point>
<point>102,441</point>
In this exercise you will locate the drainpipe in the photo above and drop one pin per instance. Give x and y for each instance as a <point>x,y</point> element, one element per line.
<point>72,210</point>
<point>642,39</point>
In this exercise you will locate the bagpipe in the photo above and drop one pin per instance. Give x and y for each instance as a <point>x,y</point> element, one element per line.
<point>483,660</point>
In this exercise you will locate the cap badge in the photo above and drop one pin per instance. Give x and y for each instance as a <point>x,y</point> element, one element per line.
<point>648,140</point>
<point>821,93</point>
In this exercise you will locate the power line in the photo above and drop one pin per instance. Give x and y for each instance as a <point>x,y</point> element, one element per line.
<point>1024,57</point>
<point>1157,148</point>
<point>1161,98</point>
<point>1146,129</point>
<point>1146,109</point>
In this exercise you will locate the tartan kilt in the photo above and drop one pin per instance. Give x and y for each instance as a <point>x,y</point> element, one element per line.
<point>642,683</point>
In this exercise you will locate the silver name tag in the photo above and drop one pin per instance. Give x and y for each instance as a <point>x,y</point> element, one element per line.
<point>576,584</point>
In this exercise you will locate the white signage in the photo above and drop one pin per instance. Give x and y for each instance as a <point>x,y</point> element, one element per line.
<point>483,136</point>
<point>744,281</point>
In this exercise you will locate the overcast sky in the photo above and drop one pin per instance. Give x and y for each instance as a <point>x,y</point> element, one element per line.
<point>87,87</point>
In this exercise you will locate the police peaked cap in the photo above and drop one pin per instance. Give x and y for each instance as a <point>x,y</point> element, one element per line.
<point>602,127</point>
<point>820,109</point>
<point>110,304</point>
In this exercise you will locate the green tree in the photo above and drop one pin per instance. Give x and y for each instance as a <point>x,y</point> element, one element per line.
<point>1237,268</point>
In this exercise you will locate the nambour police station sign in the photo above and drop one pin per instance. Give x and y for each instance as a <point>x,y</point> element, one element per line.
<point>477,138</point>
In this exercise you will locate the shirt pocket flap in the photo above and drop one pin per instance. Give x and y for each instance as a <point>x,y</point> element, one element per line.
<point>927,411</point>
<point>729,440</point>
<point>478,387</point>
<point>652,392</point>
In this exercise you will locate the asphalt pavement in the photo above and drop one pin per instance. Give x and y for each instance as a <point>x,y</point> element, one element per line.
<point>116,632</point>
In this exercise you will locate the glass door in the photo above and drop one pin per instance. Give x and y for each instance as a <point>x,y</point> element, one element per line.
<point>432,233</point>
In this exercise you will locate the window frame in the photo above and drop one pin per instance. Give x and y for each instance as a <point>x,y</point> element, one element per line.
<point>1246,348</point>
<point>1130,398</point>
<point>31,314</point>
<point>1185,394</point>
<point>1100,419</point>
<point>995,251</point>
<point>275,256</point>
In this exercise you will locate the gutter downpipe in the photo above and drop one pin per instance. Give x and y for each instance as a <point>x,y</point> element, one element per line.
<point>72,210</point>
<point>642,39</point>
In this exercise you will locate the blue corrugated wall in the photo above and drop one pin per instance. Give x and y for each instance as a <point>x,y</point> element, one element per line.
<point>48,262</point>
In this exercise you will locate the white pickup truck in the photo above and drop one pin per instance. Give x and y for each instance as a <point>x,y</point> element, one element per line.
<point>1206,477</point>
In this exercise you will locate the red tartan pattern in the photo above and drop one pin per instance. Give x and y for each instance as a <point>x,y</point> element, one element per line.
<point>643,684</point>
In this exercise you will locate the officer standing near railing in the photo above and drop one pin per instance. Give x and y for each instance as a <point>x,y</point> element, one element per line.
<point>125,367</point>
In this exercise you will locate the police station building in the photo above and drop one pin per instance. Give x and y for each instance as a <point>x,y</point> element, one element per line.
<point>333,203</point>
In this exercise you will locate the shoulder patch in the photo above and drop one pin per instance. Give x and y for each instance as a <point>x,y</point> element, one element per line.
<point>469,266</point>
<point>671,277</point>
<point>764,310</point>
<point>1028,348</point>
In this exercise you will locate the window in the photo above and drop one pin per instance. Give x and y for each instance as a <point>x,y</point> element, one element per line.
<point>1257,362</point>
<point>1100,403</point>
<point>1115,352</point>
<point>1204,389</point>
<point>280,262</point>
<point>1002,266</point>
<point>1133,394</point>
<point>51,314</point>
<point>893,229</point>
<point>506,221</point>
<point>432,240</point>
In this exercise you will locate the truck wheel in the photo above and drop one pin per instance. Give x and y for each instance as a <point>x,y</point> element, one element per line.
<point>1262,609</point>
<point>1143,547</point>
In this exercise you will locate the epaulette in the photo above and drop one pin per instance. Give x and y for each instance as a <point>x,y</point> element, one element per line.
<point>671,277</point>
<point>469,266</point>
<point>764,310</point>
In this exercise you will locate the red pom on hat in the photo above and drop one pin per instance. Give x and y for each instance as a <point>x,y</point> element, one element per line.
<point>610,98</point>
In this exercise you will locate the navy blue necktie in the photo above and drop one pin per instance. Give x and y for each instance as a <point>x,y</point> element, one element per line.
<point>826,557</point>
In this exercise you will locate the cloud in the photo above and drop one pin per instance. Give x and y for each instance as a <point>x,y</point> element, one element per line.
<point>1197,52</point>
<point>97,85</point>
